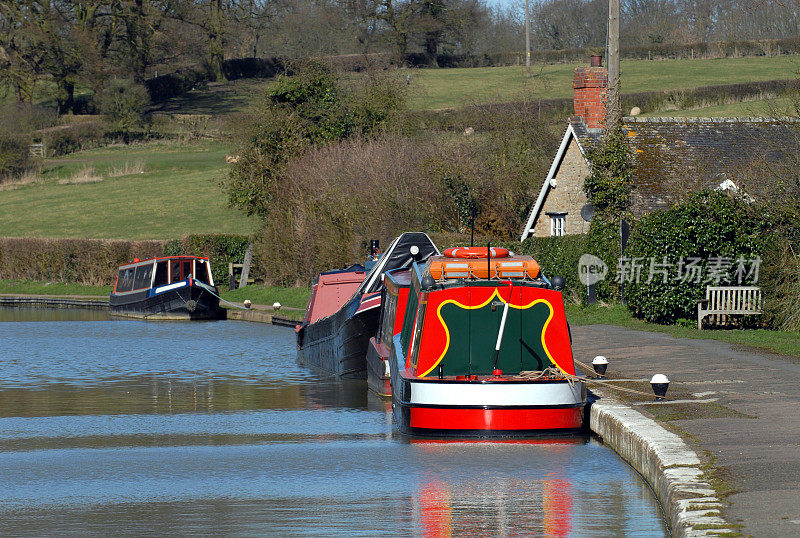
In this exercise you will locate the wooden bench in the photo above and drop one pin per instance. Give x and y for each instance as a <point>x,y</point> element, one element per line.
<point>727,301</point>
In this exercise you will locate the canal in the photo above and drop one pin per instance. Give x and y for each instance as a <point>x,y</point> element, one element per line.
<point>133,427</point>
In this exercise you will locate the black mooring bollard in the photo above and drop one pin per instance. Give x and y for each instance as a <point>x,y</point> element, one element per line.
<point>600,364</point>
<point>660,384</point>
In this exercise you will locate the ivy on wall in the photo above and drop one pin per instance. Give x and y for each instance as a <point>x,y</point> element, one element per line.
<point>609,185</point>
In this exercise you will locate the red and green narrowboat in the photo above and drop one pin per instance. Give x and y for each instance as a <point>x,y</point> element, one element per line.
<point>174,288</point>
<point>483,348</point>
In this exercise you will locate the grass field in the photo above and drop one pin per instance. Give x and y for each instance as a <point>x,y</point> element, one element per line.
<point>444,88</point>
<point>158,190</point>
<point>164,190</point>
<point>783,342</point>
<point>780,106</point>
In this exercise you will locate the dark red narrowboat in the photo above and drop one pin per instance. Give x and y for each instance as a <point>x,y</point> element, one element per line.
<point>341,318</point>
<point>174,288</point>
<point>484,350</point>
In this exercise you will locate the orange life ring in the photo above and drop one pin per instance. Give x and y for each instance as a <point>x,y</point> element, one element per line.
<point>475,252</point>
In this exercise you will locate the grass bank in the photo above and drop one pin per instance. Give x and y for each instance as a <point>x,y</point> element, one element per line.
<point>452,88</point>
<point>780,106</point>
<point>433,89</point>
<point>268,295</point>
<point>142,191</point>
<point>782,342</point>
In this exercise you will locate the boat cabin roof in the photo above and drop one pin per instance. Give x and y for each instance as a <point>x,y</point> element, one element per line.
<point>137,262</point>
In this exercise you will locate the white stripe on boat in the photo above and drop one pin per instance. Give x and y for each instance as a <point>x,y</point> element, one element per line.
<point>170,287</point>
<point>516,394</point>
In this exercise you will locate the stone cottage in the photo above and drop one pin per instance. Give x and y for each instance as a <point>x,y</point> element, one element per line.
<point>672,157</point>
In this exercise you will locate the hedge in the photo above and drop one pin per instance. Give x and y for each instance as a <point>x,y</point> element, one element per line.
<point>252,67</point>
<point>710,232</point>
<point>174,84</point>
<point>92,262</point>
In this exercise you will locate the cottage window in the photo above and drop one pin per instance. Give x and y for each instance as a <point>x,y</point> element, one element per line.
<point>558,224</point>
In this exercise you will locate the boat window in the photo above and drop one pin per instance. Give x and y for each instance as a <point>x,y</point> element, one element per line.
<point>201,270</point>
<point>175,271</point>
<point>411,307</point>
<point>161,274</point>
<point>389,314</point>
<point>186,269</point>
<point>414,351</point>
<point>141,278</point>
<point>125,280</point>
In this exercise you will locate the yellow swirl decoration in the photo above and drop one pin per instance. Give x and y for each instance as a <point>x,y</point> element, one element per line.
<point>487,301</point>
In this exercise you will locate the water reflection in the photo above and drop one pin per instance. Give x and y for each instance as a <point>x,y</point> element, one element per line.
<point>140,427</point>
<point>23,313</point>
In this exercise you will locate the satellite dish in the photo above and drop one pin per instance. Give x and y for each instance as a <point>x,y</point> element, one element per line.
<point>587,212</point>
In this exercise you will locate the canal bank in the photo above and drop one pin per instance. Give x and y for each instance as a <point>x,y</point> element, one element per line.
<point>674,471</point>
<point>731,405</point>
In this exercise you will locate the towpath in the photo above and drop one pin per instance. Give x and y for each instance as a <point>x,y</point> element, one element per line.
<point>739,408</point>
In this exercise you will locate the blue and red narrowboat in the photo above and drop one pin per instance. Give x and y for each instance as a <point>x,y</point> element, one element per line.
<point>174,288</point>
<point>483,348</point>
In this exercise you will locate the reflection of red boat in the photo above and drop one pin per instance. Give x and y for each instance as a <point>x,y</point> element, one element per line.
<point>483,349</point>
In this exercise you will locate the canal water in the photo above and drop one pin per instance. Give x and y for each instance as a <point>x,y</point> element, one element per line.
<point>133,427</point>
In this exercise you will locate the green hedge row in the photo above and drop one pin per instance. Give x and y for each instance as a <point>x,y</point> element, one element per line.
<point>562,255</point>
<point>95,261</point>
<point>91,262</point>
<point>712,239</point>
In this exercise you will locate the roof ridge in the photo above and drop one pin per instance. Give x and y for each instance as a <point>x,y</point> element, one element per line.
<point>677,119</point>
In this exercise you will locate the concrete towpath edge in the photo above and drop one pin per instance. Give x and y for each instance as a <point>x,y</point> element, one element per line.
<point>673,470</point>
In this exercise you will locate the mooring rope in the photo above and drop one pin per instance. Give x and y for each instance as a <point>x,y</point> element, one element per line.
<point>558,373</point>
<point>607,384</point>
<point>226,302</point>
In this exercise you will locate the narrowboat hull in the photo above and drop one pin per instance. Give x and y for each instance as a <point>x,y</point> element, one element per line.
<point>189,301</point>
<point>487,408</point>
<point>338,343</point>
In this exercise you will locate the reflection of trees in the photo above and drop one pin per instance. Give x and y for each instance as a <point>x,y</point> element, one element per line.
<point>165,395</point>
<point>149,395</point>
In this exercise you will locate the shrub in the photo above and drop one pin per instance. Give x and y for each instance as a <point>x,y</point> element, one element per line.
<point>14,155</point>
<point>701,239</point>
<point>65,139</point>
<point>309,109</point>
<point>123,103</point>
<point>21,118</point>
<point>603,241</point>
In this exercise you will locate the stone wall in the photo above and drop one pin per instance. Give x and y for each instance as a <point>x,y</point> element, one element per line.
<point>567,196</point>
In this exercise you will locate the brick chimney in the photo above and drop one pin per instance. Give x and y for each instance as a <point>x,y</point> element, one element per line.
<point>589,86</point>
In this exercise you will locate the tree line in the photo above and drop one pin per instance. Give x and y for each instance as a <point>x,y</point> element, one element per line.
<point>83,43</point>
